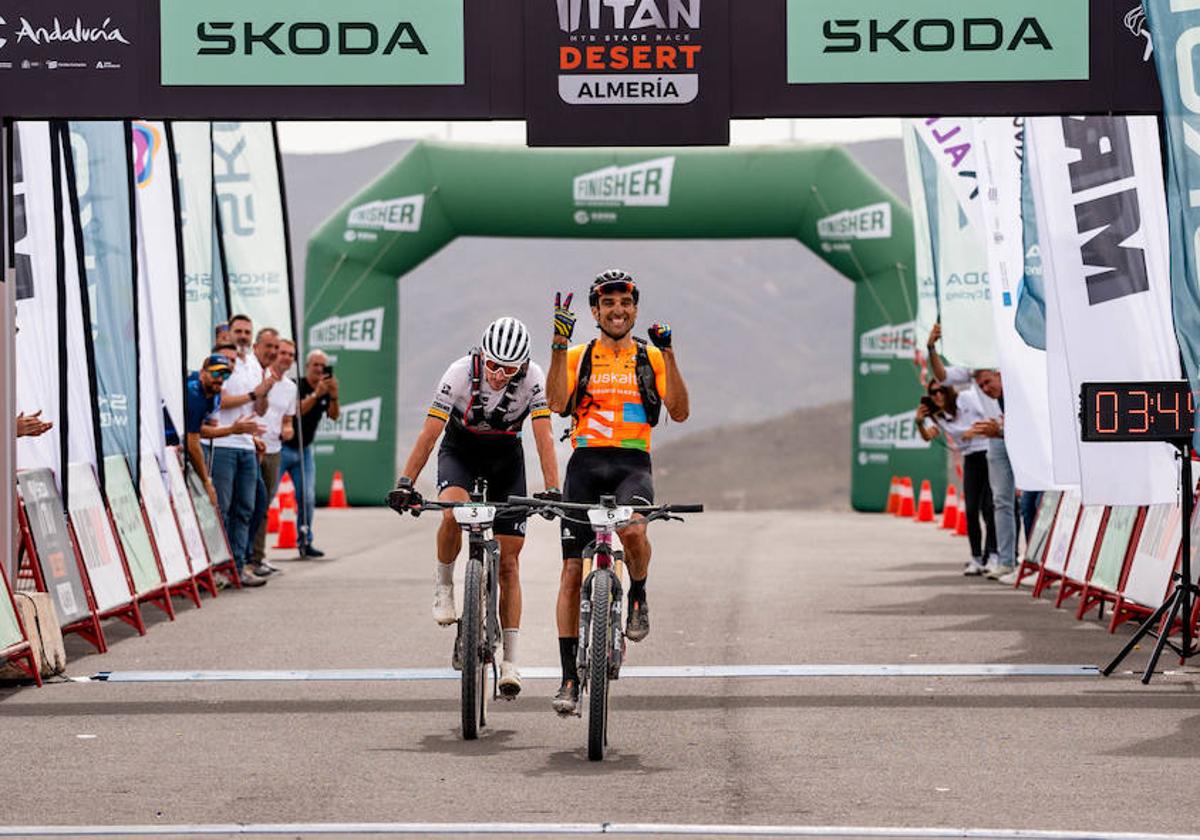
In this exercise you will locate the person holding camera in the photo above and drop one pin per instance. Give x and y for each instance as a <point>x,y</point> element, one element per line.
<point>317,392</point>
<point>956,414</point>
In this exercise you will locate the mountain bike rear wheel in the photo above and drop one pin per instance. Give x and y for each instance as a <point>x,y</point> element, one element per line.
<point>599,646</point>
<point>474,664</point>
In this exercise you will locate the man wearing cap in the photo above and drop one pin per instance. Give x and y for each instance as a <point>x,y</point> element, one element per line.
<point>203,397</point>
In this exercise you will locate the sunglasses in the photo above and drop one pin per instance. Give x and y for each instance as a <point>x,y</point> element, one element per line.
<point>220,375</point>
<point>494,367</point>
<point>614,286</point>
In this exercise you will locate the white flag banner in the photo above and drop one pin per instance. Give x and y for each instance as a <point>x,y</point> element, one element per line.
<point>1102,225</point>
<point>945,158</point>
<point>193,165</point>
<point>1022,368</point>
<point>927,304</point>
<point>80,412</point>
<point>158,263</point>
<point>246,179</point>
<point>35,254</point>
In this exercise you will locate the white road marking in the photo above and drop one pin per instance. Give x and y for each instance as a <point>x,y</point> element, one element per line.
<point>629,672</point>
<point>618,829</point>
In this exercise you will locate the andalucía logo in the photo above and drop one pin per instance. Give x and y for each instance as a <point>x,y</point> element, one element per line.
<point>629,52</point>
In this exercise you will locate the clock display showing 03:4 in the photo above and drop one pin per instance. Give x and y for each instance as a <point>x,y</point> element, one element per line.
<point>1145,411</point>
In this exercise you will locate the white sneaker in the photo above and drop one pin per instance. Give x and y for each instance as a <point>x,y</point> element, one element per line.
<point>444,612</point>
<point>993,568</point>
<point>510,680</point>
<point>1009,578</point>
<point>973,568</point>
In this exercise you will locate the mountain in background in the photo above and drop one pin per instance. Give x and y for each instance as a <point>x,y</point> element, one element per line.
<point>763,327</point>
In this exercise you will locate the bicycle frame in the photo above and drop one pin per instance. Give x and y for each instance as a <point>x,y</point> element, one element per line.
<point>606,557</point>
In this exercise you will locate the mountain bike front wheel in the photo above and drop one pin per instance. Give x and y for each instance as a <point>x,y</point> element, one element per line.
<point>473,641</point>
<point>600,644</point>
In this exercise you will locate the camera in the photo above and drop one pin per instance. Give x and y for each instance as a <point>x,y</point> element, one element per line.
<point>328,371</point>
<point>929,404</point>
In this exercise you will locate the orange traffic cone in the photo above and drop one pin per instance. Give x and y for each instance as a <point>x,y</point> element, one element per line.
<point>273,516</point>
<point>925,503</point>
<point>906,498</point>
<point>960,529</point>
<point>893,502</point>
<point>286,492</point>
<point>337,493</point>
<point>950,509</point>
<point>287,528</point>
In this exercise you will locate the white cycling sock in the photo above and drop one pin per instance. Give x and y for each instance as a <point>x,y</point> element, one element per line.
<point>510,645</point>
<point>445,573</point>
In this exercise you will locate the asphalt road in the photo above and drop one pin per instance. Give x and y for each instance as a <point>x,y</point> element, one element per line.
<point>1014,752</point>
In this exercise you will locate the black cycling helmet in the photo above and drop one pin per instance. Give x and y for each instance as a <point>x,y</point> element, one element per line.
<point>613,280</point>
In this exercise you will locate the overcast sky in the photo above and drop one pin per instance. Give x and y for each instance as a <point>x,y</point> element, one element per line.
<point>329,136</point>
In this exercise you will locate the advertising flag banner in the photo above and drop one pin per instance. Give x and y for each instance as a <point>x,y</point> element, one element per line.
<point>1175,29</point>
<point>1031,299</point>
<point>945,155</point>
<point>81,423</point>
<point>1022,368</point>
<point>37,308</point>
<point>246,179</point>
<point>927,298</point>
<point>97,543</point>
<point>102,185</point>
<point>159,265</point>
<point>192,143</point>
<point>1102,220</point>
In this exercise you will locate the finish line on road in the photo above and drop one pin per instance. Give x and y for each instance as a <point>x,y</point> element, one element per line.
<point>525,829</point>
<point>632,672</point>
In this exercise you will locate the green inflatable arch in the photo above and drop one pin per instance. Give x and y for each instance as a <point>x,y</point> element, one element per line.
<point>436,192</point>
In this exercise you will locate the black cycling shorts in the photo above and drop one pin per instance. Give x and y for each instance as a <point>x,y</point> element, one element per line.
<point>604,471</point>
<point>502,467</point>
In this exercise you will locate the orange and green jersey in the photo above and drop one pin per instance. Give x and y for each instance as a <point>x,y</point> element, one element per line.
<point>612,414</point>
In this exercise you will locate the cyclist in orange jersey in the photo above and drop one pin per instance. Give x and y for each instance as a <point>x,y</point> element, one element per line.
<point>613,389</point>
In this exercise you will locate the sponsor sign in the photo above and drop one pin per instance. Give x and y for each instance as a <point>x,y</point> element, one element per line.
<point>881,41</point>
<point>891,431</point>
<point>589,62</point>
<point>600,192</point>
<point>360,331</point>
<point>358,421</point>
<point>890,341</point>
<point>310,42</point>
<point>51,540</point>
<point>871,222</point>
<point>397,215</point>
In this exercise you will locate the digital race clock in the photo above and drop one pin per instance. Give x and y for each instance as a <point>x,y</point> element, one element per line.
<point>1162,411</point>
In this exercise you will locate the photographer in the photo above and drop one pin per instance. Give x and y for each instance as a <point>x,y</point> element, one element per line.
<point>956,415</point>
<point>318,395</point>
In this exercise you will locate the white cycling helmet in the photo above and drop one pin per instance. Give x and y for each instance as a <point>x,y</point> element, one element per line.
<point>506,342</point>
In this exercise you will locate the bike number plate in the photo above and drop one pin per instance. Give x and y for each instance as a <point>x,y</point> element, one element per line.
<point>610,516</point>
<point>474,515</point>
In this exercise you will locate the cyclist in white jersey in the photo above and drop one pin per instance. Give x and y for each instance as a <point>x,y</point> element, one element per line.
<point>481,403</point>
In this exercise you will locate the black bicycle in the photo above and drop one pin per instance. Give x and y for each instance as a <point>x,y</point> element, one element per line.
<point>601,634</point>
<point>479,626</point>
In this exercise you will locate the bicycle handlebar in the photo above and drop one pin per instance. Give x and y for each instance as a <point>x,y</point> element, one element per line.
<point>525,501</point>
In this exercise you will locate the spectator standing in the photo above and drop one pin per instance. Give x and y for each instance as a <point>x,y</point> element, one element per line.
<point>281,411</point>
<point>203,397</point>
<point>234,458</point>
<point>317,392</point>
<point>1000,477</point>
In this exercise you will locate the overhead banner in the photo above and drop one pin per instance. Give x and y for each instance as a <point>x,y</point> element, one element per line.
<point>1102,220</point>
<point>194,169</point>
<point>159,265</point>
<point>102,184</point>
<point>35,252</point>
<point>1175,28</point>
<point>247,182</point>
<point>945,156</point>
<point>1022,367</point>
<point>626,73</point>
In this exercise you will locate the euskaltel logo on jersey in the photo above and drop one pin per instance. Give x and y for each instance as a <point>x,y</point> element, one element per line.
<point>629,52</point>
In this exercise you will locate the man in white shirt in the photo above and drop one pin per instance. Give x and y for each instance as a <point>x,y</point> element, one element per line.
<point>234,459</point>
<point>280,394</point>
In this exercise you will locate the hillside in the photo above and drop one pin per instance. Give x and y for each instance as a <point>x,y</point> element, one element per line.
<point>800,460</point>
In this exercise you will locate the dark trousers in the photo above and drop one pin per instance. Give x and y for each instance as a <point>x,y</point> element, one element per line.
<point>977,491</point>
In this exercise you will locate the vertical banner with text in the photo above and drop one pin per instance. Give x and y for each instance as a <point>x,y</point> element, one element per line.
<point>102,185</point>
<point>1102,220</point>
<point>192,144</point>
<point>1175,28</point>
<point>246,181</point>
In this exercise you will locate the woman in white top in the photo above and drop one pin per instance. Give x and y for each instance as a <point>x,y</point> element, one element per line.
<point>955,413</point>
